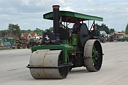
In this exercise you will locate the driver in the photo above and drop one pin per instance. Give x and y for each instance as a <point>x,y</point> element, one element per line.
<point>95,33</point>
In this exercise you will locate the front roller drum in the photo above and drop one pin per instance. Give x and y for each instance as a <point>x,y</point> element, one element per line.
<point>93,55</point>
<point>50,59</point>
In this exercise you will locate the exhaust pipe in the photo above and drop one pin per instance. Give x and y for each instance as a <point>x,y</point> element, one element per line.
<point>56,19</point>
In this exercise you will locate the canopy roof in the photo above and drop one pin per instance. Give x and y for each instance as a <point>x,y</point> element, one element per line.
<point>72,17</point>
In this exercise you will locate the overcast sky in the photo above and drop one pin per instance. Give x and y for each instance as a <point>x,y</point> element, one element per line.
<point>28,14</point>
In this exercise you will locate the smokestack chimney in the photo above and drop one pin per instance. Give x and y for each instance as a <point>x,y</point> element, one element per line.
<point>56,19</point>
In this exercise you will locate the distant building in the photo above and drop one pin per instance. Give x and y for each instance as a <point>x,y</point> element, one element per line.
<point>11,36</point>
<point>28,35</point>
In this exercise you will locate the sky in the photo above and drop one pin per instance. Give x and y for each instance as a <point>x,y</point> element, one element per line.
<point>28,14</point>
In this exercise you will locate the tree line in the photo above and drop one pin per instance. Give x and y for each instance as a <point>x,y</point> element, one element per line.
<point>104,27</point>
<point>14,29</point>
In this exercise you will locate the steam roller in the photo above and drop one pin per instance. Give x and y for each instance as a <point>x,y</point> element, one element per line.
<point>65,48</point>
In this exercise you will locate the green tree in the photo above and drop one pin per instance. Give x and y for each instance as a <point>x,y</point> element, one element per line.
<point>126,29</point>
<point>29,31</point>
<point>51,29</point>
<point>23,31</point>
<point>111,30</point>
<point>14,29</point>
<point>3,33</point>
<point>38,31</point>
<point>123,31</point>
<point>105,28</point>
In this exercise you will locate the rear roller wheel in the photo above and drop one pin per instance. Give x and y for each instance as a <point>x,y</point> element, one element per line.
<point>93,55</point>
<point>47,58</point>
